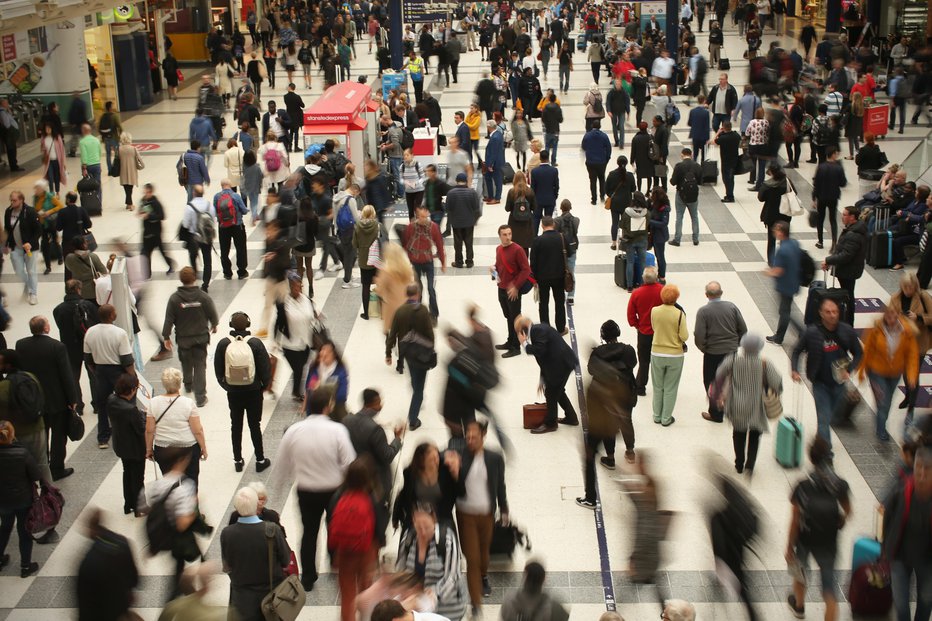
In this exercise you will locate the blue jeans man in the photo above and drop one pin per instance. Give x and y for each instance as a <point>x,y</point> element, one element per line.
<point>493,184</point>
<point>25,267</point>
<point>618,129</point>
<point>427,269</point>
<point>550,145</point>
<point>418,379</point>
<point>718,119</point>
<point>395,164</point>
<point>637,252</point>
<point>826,396</point>
<point>93,171</point>
<point>901,574</point>
<point>681,207</point>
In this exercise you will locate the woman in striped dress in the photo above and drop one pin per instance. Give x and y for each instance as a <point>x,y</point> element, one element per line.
<point>749,375</point>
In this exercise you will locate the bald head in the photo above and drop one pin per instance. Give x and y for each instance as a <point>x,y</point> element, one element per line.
<point>713,290</point>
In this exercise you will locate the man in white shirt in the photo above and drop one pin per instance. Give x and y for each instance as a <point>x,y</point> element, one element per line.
<point>663,67</point>
<point>108,355</point>
<point>314,453</point>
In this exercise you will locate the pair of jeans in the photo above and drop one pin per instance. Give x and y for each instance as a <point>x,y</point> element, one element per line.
<point>413,200</point>
<point>637,252</point>
<point>25,539</point>
<point>112,145</point>
<point>193,359</point>
<point>254,206</point>
<point>134,475</point>
<point>463,237</point>
<point>660,255</point>
<point>710,364</point>
<point>618,130</point>
<point>248,402</point>
<point>493,184</point>
<point>666,372</point>
<point>296,360</point>
<point>785,318</point>
<point>681,207</point>
<point>106,376</point>
<point>564,77</point>
<point>25,267</point>
<point>395,164</point>
<point>739,439</point>
<point>510,309</point>
<point>591,448</point>
<point>718,119</point>
<point>901,576</point>
<point>205,250</point>
<point>349,257</point>
<point>237,236</point>
<point>313,505</point>
<point>556,285</point>
<point>826,396</point>
<point>420,271</point>
<point>571,266</point>
<point>550,145</point>
<point>476,540</point>
<point>418,379</point>
<point>53,174</point>
<point>823,206</point>
<point>596,174</point>
<point>883,388</point>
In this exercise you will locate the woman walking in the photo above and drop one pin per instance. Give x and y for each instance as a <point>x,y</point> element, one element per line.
<point>521,203</point>
<point>659,223</point>
<point>365,242</point>
<point>916,305</point>
<point>854,130</point>
<point>329,371</point>
<point>171,72</point>
<point>130,163</point>
<point>667,353</point>
<point>770,195</point>
<point>595,107</point>
<point>19,475</point>
<point>223,77</point>
<point>751,376</point>
<point>256,72</point>
<point>522,135</point>
<point>53,157</point>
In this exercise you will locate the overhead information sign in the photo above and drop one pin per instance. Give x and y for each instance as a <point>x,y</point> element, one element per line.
<point>422,11</point>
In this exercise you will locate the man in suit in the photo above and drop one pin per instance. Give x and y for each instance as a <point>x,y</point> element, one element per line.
<point>73,317</point>
<point>494,161</point>
<point>462,132</point>
<point>47,359</point>
<point>294,105</point>
<point>368,438</point>
<point>557,362</point>
<point>548,265</point>
<point>698,123</point>
<point>545,181</point>
<point>728,144</point>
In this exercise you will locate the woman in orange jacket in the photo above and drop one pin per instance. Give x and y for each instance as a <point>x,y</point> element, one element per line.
<point>890,350</point>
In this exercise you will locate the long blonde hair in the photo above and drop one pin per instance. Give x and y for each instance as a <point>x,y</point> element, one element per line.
<point>857,104</point>
<point>519,185</point>
<point>395,261</point>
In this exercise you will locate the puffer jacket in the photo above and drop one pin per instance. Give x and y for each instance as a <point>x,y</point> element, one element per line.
<point>878,358</point>
<point>18,476</point>
<point>771,195</point>
<point>850,251</point>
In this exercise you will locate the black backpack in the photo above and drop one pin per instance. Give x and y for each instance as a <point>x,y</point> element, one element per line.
<point>597,106</point>
<point>81,319</point>
<point>807,268</point>
<point>26,397</point>
<point>521,210</point>
<point>821,513</point>
<point>689,187</point>
<point>407,138</point>
<point>159,529</point>
<point>591,21</point>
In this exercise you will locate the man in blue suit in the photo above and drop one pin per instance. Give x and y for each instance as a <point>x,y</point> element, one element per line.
<point>545,181</point>
<point>494,162</point>
<point>699,123</point>
<point>557,362</point>
<point>598,150</point>
<point>462,132</point>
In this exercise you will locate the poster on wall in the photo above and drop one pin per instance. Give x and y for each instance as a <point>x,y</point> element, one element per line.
<point>27,69</point>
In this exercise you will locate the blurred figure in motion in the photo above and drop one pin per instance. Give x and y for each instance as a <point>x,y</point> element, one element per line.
<point>405,587</point>
<point>678,610</point>
<point>821,505</point>
<point>107,574</point>
<point>733,528</point>
<point>530,602</point>
<point>611,398</point>
<point>195,585</point>
<point>650,526</point>
<point>430,480</point>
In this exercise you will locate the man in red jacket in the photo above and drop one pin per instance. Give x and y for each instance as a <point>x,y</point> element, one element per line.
<point>420,239</point>
<point>640,304</point>
<point>512,272</point>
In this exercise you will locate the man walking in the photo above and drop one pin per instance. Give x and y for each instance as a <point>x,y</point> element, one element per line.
<point>722,101</point>
<point>557,362</point>
<point>827,183</point>
<point>618,106</point>
<point>192,314</point>
<point>413,331</point>
<point>21,224</point>
<point>831,347</point>
<point>545,181</point>
<point>192,169</point>
<point>11,132</point>
<point>686,177</point>
<point>391,147</point>
<point>368,438</point>
<point>598,150</point>
<point>728,144</point>
<point>242,367</point>
<point>420,239</point>
<point>644,299</point>
<point>89,147</point>
<point>47,359</point>
<point>698,123</point>
<point>719,328</point>
<point>108,355</point>
<point>73,317</point>
<point>494,162</point>
<point>314,453</point>
<point>548,265</point>
<point>230,209</point>
<point>785,272</point>
<point>197,220</point>
<point>849,255</point>
<point>463,210</point>
<point>551,118</point>
<point>294,106</point>
<point>512,272</point>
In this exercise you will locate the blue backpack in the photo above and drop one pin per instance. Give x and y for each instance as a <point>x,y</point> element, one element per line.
<point>345,220</point>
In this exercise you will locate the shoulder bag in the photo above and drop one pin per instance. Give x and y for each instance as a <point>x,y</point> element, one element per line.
<point>773,405</point>
<point>569,281</point>
<point>87,235</point>
<point>285,601</point>
<point>45,512</point>
<point>790,205</point>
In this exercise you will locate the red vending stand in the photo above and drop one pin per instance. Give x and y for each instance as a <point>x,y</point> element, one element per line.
<point>876,118</point>
<point>339,114</point>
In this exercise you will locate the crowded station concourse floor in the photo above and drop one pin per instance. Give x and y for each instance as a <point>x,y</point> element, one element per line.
<point>544,473</point>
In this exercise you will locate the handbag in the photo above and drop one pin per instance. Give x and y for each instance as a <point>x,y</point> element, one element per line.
<point>743,165</point>
<point>45,512</point>
<point>790,205</point>
<point>115,167</point>
<point>660,170</point>
<point>75,426</point>
<point>608,203</point>
<point>569,281</point>
<point>286,601</point>
<point>773,405</point>
<point>88,237</point>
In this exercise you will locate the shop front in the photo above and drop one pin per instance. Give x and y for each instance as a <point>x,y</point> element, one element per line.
<point>117,44</point>
<point>340,114</point>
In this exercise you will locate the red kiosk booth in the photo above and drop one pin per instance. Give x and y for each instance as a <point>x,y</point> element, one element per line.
<point>340,114</point>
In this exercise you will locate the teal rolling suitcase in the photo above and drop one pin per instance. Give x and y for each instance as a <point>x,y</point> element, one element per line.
<point>789,442</point>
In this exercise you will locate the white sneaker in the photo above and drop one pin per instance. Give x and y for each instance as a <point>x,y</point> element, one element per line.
<point>33,300</point>
<point>350,285</point>
<point>336,267</point>
<point>318,275</point>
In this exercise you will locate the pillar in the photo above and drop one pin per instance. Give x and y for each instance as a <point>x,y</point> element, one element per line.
<point>395,32</point>
<point>832,15</point>
<point>673,35</point>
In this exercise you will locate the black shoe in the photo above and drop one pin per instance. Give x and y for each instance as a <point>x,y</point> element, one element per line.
<point>262,465</point>
<point>503,346</point>
<point>28,570</point>
<point>238,465</point>
<point>202,403</point>
<point>228,276</point>
<point>49,537</point>
<point>695,242</point>
<point>674,243</point>
<point>544,429</point>
<point>511,353</point>
<point>585,503</point>
<point>469,264</point>
<point>456,265</point>
<point>642,391</point>
<point>21,169</point>
<point>773,339</point>
<point>47,271</point>
<point>739,469</point>
<point>728,199</point>
<point>243,275</point>
<point>415,425</point>
<point>608,462</point>
<point>364,316</point>
<point>62,474</point>
<point>204,288</point>
<point>572,422</point>
<point>798,611</point>
<point>672,420</point>
<point>486,587</point>
<point>308,585</point>
<point>819,245</point>
<point>4,561</point>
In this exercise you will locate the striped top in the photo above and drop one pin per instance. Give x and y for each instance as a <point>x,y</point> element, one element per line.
<point>441,573</point>
<point>744,405</point>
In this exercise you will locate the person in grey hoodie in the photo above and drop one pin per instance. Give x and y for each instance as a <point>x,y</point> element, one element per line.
<point>531,603</point>
<point>191,312</point>
<point>634,229</point>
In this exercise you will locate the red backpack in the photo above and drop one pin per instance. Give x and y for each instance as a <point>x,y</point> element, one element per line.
<point>352,527</point>
<point>226,210</point>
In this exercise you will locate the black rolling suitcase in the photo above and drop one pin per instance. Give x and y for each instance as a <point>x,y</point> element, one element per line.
<point>818,291</point>
<point>508,173</point>
<point>880,242</point>
<point>621,268</point>
<point>89,191</point>
<point>709,171</point>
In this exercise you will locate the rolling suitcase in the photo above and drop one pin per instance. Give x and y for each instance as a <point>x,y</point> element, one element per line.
<point>89,191</point>
<point>724,64</point>
<point>880,242</point>
<point>789,447</point>
<point>866,550</point>
<point>508,173</point>
<point>870,592</point>
<point>621,268</point>
<point>710,171</point>
<point>534,415</point>
<point>818,292</point>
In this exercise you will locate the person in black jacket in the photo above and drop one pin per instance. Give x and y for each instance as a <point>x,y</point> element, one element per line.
<point>687,175</point>
<point>21,223</point>
<point>826,190</point>
<point>618,106</point>
<point>849,255</point>
<point>18,477</point>
<point>611,397</point>
<point>428,480</point>
<point>728,143</point>
<point>771,193</point>
<point>128,425</point>
<point>869,157</point>
<point>368,438</point>
<point>548,264</point>
<point>662,141</point>
<point>73,317</point>
<point>73,220</point>
<point>545,181</point>
<point>619,187</point>
<point>47,359</point>
<point>107,575</point>
<point>722,98</point>
<point>642,145</point>
<point>245,398</point>
<point>556,361</point>
<point>152,214</point>
<point>551,117</point>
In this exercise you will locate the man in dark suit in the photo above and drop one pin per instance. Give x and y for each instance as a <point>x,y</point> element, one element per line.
<point>294,105</point>
<point>462,132</point>
<point>47,359</point>
<point>494,162</point>
<point>73,317</point>
<point>545,181</point>
<point>557,361</point>
<point>548,265</point>
<point>728,143</point>
<point>368,438</point>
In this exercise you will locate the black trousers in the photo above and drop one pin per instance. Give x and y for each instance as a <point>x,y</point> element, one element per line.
<point>297,360</point>
<point>645,342</point>
<point>248,402</point>
<point>49,245</point>
<point>151,244</point>
<point>134,474</point>
<point>511,309</point>
<point>9,142</point>
<point>76,361</point>
<point>596,174</point>
<point>205,250</point>
<point>107,376</point>
<point>236,234</point>
<point>832,208</point>
<point>710,364</point>
<point>592,448</point>
<point>848,284</point>
<point>752,438</point>
<point>56,431</point>
<point>313,505</point>
<point>366,277</point>
<point>925,268</point>
<point>559,302</point>
<point>555,394</point>
<point>463,237</point>
<point>193,471</point>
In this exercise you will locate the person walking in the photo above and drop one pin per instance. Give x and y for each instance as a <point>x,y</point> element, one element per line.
<point>548,267</point>
<point>494,162</point>
<point>668,351</point>
<point>849,255</point>
<point>90,147</point>
<point>464,207</point>
<point>152,214</point>
<point>315,454</point>
<point>826,191</point>
<point>832,348</point>
<point>551,118</point>
<point>130,165</point>
<point>412,330</point>
<point>786,274</point>
<point>47,359</point>
<point>367,247</point>
<point>686,177</point>
<point>200,238</point>
<point>644,156</point>
<point>719,329</point>
<point>193,316</point>
<point>128,425</point>
<point>640,304</point>
<point>512,274</point>
<point>422,239</point>
<point>73,316</point>
<point>18,480</point>
<point>173,422</point>
<point>107,575</point>
<point>545,183</point>
<point>230,209</point>
<point>635,221</point>
<point>698,123</point>
<point>723,98</point>
<point>293,332</point>
<point>728,142</point>
<point>108,354</point>
<point>53,156</point>
<point>771,195</point>
<point>660,229</point>
<point>368,439</point>
<point>21,223</point>
<point>618,107</point>
<point>192,168</point>
<point>598,151</point>
<point>557,362</point>
<point>10,133</point>
<point>593,104</point>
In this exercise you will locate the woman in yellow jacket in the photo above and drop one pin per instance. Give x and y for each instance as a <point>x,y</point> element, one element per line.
<point>916,305</point>
<point>47,206</point>
<point>890,351</point>
<point>667,353</point>
<point>473,120</point>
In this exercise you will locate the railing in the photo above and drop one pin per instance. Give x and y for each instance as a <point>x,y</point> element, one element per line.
<point>918,164</point>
